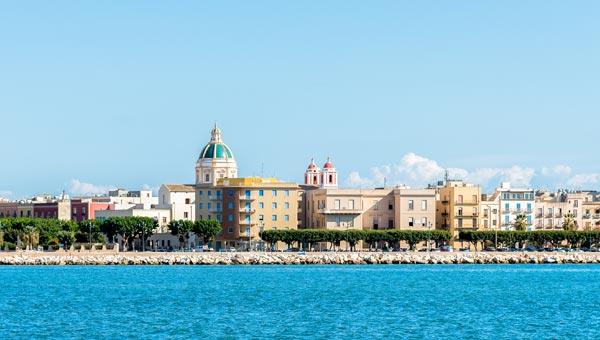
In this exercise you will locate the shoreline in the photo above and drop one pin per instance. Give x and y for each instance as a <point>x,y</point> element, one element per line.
<point>260,258</point>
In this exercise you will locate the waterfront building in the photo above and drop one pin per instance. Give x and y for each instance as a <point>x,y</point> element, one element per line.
<point>458,206</point>
<point>551,208</point>
<point>490,211</point>
<point>253,204</point>
<point>216,161</point>
<point>514,202</point>
<point>179,199</point>
<point>377,209</point>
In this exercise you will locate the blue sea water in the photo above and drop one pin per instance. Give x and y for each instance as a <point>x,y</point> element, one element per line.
<point>288,302</point>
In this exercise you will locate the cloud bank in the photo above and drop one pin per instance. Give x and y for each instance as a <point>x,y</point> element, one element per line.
<point>78,188</point>
<point>419,171</point>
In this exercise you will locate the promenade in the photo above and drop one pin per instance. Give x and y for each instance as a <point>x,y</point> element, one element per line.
<point>262,258</point>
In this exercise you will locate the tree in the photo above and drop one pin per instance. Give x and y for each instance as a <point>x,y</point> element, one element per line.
<point>520,223</point>
<point>569,223</point>
<point>182,229</point>
<point>353,236</point>
<point>207,229</point>
<point>67,238</point>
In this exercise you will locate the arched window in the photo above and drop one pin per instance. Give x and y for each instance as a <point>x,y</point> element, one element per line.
<point>330,178</point>
<point>207,178</point>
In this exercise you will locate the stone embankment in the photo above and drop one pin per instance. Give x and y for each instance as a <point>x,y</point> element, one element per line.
<point>110,258</point>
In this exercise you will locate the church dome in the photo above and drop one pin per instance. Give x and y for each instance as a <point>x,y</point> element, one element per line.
<point>328,164</point>
<point>216,149</point>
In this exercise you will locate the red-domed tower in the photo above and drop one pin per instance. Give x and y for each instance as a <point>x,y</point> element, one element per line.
<point>329,175</point>
<point>312,175</point>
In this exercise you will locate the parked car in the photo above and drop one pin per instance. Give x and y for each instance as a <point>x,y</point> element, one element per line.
<point>531,248</point>
<point>490,249</point>
<point>448,249</point>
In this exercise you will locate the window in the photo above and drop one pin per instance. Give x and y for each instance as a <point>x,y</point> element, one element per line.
<point>574,212</point>
<point>261,217</point>
<point>287,192</point>
<point>351,204</point>
<point>390,224</point>
<point>390,206</point>
<point>460,211</point>
<point>411,221</point>
<point>273,192</point>
<point>424,221</point>
<point>230,193</point>
<point>474,198</point>
<point>286,218</point>
<point>209,193</point>
<point>474,223</point>
<point>185,214</point>
<point>273,217</point>
<point>230,230</point>
<point>74,210</point>
<point>164,219</point>
<point>375,222</point>
<point>411,205</point>
<point>506,219</point>
<point>208,205</point>
<point>219,218</point>
<point>219,206</point>
<point>286,205</point>
<point>200,205</point>
<point>336,204</point>
<point>261,205</point>
<point>528,207</point>
<point>423,205</point>
<point>274,205</point>
<point>576,203</point>
<point>261,193</point>
<point>506,207</point>
<point>187,201</point>
<point>460,199</point>
<point>247,193</point>
<point>474,211</point>
<point>200,193</point>
<point>229,205</point>
<point>207,178</point>
<point>230,218</point>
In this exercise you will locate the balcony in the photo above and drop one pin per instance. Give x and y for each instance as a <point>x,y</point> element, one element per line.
<point>247,211</point>
<point>215,197</point>
<point>558,215</point>
<point>539,215</point>
<point>467,215</point>
<point>467,203</point>
<point>247,223</point>
<point>596,216</point>
<point>548,215</point>
<point>587,216</point>
<point>247,197</point>
<point>341,211</point>
<point>216,210</point>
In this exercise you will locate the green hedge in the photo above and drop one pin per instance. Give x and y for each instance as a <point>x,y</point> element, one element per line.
<point>537,237</point>
<point>353,236</point>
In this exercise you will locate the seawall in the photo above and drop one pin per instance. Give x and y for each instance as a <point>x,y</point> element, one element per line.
<point>357,258</point>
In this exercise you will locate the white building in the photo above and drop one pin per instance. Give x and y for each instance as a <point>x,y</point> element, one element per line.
<point>515,201</point>
<point>180,199</point>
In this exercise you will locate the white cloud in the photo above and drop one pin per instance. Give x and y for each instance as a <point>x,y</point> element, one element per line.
<point>78,188</point>
<point>584,181</point>
<point>5,193</point>
<point>418,171</point>
<point>151,188</point>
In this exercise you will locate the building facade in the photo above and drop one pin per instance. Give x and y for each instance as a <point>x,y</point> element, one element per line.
<point>458,206</point>
<point>251,205</point>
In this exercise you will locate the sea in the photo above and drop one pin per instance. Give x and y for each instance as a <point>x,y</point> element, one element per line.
<point>301,302</point>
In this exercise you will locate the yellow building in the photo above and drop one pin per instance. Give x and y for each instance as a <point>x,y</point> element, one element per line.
<point>458,207</point>
<point>253,204</point>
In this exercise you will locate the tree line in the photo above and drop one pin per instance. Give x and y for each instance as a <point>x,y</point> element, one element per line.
<point>309,237</point>
<point>539,238</point>
<point>50,233</point>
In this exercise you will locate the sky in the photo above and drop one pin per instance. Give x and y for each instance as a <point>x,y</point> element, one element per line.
<point>97,94</point>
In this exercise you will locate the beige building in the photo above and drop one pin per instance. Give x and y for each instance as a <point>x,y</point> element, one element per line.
<point>551,208</point>
<point>253,204</point>
<point>490,211</point>
<point>458,207</point>
<point>382,208</point>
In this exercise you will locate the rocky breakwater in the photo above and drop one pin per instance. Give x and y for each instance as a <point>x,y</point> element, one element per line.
<point>357,258</point>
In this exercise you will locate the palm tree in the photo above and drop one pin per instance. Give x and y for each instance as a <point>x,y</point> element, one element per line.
<point>569,223</point>
<point>520,223</point>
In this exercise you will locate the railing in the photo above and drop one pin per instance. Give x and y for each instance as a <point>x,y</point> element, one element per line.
<point>215,197</point>
<point>549,215</point>
<point>587,216</point>
<point>558,215</point>
<point>247,197</point>
<point>247,211</point>
<point>340,211</point>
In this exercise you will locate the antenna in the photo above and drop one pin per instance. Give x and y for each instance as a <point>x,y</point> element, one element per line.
<point>446,175</point>
<point>384,181</point>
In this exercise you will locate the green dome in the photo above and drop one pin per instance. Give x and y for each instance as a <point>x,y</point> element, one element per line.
<point>216,150</point>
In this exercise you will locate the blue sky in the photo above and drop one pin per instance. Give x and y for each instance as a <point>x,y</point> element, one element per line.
<point>98,94</point>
